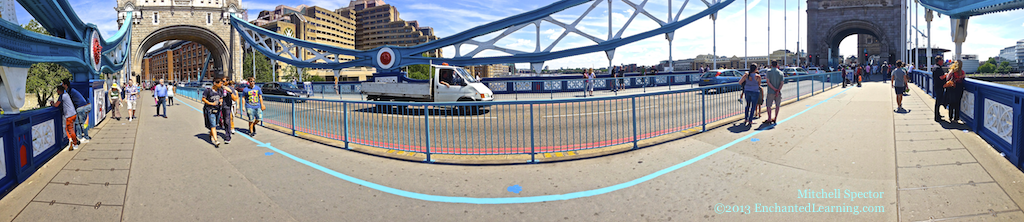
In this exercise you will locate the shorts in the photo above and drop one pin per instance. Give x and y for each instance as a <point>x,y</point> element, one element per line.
<point>131,104</point>
<point>210,120</point>
<point>900,90</point>
<point>773,99</point>
<point>254,114</point>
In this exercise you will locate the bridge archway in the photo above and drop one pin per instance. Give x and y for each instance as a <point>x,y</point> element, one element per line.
<point>831,21</point>
<point>203,22</point>
<point>217,47</point>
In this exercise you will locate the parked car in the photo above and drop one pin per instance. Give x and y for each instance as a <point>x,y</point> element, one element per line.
<point>719,76</point>
<point>207,85</point>
<point>283,89</point>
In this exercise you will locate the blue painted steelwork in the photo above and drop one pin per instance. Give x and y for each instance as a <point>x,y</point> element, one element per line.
<point>19,158</point>
<point>519,200</point>
<point>993,111</point>
<point>70,46</point>
<point>968,8</point>
<point>206,65</point>
<point>274,45</point>
<point>506,127</point>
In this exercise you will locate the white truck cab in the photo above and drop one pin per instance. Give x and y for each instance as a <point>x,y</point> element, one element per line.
<point>447,84</point>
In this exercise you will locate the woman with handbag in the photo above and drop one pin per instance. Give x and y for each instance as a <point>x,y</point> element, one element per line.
<point>954,88</point>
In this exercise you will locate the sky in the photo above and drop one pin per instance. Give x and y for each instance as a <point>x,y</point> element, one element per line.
<point>987,34</point>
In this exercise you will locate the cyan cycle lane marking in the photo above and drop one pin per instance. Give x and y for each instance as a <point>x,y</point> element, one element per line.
<point>516,200</point>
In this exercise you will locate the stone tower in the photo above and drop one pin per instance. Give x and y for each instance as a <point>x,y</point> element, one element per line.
<point>830,21</point>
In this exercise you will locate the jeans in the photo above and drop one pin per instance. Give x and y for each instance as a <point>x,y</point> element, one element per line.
<point>161,102</point>
<point>751,97</point>
<point>83,115</point>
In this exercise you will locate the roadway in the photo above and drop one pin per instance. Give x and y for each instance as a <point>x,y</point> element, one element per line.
<point>559,126</point>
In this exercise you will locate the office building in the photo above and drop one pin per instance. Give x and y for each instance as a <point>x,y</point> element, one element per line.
<point>7,11</point>
<point>378,24</point>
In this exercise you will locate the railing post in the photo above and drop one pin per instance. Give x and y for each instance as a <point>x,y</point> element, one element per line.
<point>344,112</point>
<point>634,122</point>
<point>533,147</point>
<point>426,125</point>
<point>704,112</point>
<point>798,89</point>
<point>293,116</point>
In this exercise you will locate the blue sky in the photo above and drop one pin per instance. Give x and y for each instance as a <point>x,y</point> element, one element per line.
<point>986,34</point>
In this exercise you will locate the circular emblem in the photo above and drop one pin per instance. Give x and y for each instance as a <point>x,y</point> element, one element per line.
<point>386,58</point>
<point>95,51</point>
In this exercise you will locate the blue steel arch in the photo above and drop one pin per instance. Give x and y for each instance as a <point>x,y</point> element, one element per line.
<point>273,45</point>
<point>968,8</point>
<point>69,44</point>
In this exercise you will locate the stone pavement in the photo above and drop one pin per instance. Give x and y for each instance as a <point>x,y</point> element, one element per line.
<point>845,139</point>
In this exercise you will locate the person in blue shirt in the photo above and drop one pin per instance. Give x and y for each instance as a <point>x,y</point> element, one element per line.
<point>253,104</point>
<point>82,109</point>
<point>160,90</point>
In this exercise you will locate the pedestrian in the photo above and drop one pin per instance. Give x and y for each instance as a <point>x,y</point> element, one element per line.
<point>751,83</point>
<point>954,88</point>
<point>899,82</point>
<point>842,71</point>
<point>253,105</point>
<point>160,91</point>
<point>131,95</point>
<point>859,75</point>
<point>170,95</point>
<point>82,110</point>
<point>115,102</point>
<point>590,75</point>
<point>212,100</point>
<point>228,109</point>
<point>774,95</point>
<point>68,108</point>
<point>938,91</point>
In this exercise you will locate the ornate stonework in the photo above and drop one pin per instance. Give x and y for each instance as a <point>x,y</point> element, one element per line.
<point>830,21</point>
<point>201,21</point>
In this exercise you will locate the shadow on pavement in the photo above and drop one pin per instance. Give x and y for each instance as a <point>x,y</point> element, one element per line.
<point>459,111</point>
<point>739,128</point>
<point>956,126</point>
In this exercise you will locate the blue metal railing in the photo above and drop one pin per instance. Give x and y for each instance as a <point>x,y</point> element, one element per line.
<point>518,127</point>
<point>992,110</point>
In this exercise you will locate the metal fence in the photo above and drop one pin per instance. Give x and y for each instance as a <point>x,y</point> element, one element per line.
<point>992,110</point>
<point>518,127</point>
<point>29,140</point>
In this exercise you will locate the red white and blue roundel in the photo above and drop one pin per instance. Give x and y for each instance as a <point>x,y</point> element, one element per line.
<point>95,50</point>
<point>386,58</point>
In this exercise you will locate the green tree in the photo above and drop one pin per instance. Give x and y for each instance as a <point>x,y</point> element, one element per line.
<point>1004,67</point>
<point>421,71</point>
<point>289,73</point>
<point>43,78</point>
<point>264,71</point>
<point>987,68</point>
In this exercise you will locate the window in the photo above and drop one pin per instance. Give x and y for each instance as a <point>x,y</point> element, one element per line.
<point>209,18</point>
<point>156,18</point>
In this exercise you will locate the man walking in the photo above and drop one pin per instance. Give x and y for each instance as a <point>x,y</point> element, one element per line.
<point>774,96</point>
<point>899,82</point>
<point>82,110</point>
<point>68,107</point>
<point>212,101</point>
<point>161,97</point>
<point>253,105</point>
<point>115,102</point>
<point>131,95</point>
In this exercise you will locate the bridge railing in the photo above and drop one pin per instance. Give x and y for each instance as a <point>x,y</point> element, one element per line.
<point>530,129</point>
<point>992,110</point>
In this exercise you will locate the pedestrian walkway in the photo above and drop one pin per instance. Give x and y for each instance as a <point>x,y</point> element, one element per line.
<point>905,167</point>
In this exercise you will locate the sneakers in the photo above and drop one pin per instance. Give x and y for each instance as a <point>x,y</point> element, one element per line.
<point>129,119</point>
<point>74,147</point>
<point>227,141</point>
<point>216,144</point>
<point>83,140</point>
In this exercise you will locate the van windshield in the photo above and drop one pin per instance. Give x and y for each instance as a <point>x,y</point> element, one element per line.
<point>463,74</point>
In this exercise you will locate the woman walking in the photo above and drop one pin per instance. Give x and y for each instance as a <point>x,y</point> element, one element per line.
<point>954,89</point>
<point>751,84</point>
<point>170,94</point>
<point>589,74</point>
<point>115,102</point>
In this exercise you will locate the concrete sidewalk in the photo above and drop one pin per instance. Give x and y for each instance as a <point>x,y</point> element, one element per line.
<point>845,139</point>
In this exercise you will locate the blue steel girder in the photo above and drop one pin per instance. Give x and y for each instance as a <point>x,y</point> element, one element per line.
<point>967,8</point>
<point>57,17</point>
<point>287,49</point>
<point>22,48</point>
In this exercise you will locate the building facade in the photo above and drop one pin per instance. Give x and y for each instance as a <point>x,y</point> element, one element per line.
<point>176,61</point>
<point>1020,55</point>
<point>7,11</point>
<point>489,71</point>
<point>379,24</point>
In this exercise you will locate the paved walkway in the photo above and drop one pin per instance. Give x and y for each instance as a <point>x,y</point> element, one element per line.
<point>904,165</point>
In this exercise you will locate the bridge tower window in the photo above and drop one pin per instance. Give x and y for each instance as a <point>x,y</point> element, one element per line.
<point>209,18</point>
<point>156,18</point>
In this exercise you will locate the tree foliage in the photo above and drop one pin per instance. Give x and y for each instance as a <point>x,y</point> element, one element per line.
<point>987,68</point>
<point>290,73</point>
<point>421,71</point>
<point>264,72</point>
<point>43,78</point>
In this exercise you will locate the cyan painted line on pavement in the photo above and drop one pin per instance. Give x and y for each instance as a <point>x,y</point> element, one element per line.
<point>515,200</point>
